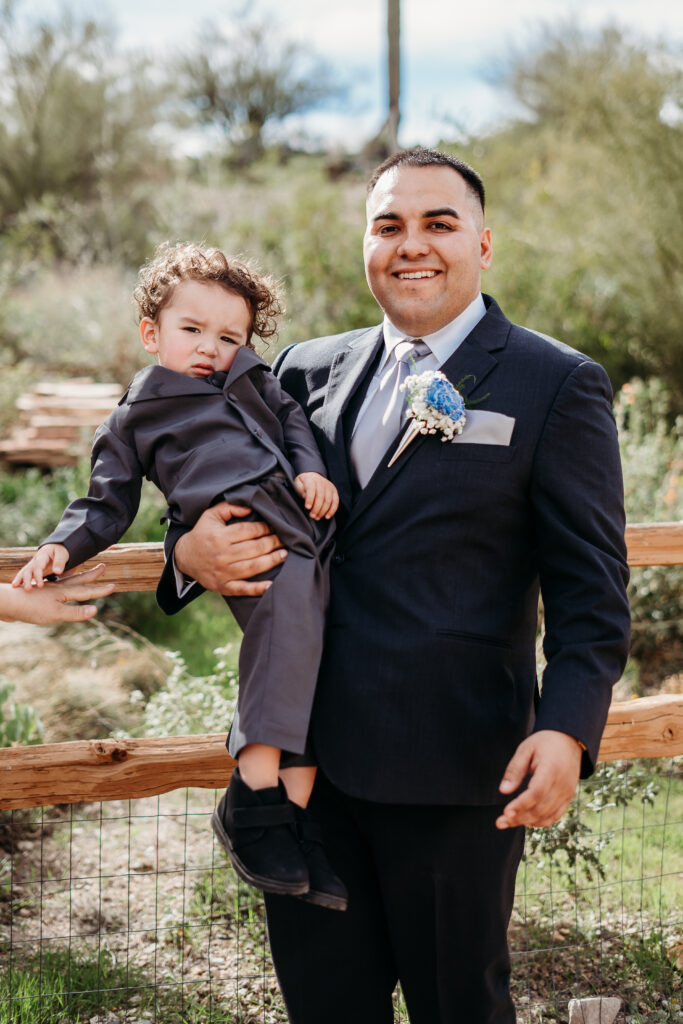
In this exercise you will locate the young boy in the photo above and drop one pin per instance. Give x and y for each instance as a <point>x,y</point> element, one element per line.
<point>211,423</point>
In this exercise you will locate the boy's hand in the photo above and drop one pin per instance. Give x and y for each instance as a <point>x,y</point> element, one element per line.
<point>51,558</point>
<point>320,495</point>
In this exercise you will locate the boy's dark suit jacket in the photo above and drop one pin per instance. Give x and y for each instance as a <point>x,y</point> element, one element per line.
<point>428,681</point>
<point>195,440</point>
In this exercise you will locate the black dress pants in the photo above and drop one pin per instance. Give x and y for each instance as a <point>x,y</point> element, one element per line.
<point>430,897</point>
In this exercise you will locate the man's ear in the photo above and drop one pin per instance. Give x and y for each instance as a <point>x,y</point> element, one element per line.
<point>486,249</point>
<point>148,335</point>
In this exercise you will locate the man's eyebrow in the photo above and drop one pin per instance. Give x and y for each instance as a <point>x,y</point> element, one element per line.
<point>442,211</point>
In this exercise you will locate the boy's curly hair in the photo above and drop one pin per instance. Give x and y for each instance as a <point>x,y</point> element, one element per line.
<point>188,261</point>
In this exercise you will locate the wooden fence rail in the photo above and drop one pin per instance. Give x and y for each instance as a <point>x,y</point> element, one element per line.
<point>138,566</point>
<point>94,770</point>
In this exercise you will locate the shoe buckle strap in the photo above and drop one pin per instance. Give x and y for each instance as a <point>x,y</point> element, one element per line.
<point>262,817</point>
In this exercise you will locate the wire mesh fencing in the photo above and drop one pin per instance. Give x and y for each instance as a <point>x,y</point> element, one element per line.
<point>127,911</point>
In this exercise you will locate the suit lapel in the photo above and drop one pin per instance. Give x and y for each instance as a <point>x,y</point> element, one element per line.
<point>470,365</point>
<point>346,374</point>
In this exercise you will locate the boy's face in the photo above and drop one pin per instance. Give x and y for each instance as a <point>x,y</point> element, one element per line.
<point>200,329</point>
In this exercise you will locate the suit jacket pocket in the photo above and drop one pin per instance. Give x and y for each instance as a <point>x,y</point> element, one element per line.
<point>475,638</point>
<point>477,452</point>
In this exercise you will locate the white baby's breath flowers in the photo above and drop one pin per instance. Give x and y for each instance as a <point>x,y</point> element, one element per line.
<point>434,404</point>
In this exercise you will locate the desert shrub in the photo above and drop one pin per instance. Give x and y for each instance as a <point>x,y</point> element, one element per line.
<point>19,724</point>
<point>572,844</point>
<point>651,444</point>
<point>66,321</point>
<point>298,225</point>
<point>190,704</point>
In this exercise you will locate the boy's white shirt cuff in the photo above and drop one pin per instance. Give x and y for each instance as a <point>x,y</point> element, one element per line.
<point>181,584</point>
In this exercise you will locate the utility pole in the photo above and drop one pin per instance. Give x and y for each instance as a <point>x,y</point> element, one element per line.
<point>394,72</point>
<point>385,142</point>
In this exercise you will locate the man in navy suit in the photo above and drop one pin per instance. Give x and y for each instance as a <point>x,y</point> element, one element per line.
<point>434,743</point>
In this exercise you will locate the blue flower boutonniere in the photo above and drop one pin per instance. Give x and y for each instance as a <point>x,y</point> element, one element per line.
<point>434,406</point>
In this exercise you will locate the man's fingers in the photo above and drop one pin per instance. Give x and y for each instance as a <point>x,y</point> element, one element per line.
<point>517,770</point>
<point>251,550</point>
<point>243,588</point>
<point>225,510</point>
<point>540,804</point>
<point>240,583</point>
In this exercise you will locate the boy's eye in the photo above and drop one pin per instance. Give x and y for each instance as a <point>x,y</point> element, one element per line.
<point>230,341</point>
<point>192,330</point>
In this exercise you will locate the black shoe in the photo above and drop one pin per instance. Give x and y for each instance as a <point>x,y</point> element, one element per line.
<point>257,829</point>
<point>326,887</point>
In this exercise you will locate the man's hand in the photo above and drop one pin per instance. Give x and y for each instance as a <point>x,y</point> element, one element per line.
<point>223,556</point>
<point>50,558</point>
<point>321,498</point>
<point>553,759</point>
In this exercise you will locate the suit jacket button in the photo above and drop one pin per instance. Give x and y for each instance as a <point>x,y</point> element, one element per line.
<point>338,558</point>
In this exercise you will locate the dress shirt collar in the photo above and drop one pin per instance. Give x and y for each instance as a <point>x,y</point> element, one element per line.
<point>443,342</point>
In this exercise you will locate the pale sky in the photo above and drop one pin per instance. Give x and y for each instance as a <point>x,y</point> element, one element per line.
<point>451,51</point>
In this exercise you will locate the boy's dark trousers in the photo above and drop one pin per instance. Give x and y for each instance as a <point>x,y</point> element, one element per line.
<point>284,628</point>
<point>411,916</point>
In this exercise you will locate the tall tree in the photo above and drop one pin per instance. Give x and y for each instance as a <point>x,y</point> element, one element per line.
<point>594,206</point>
<point>76,121</point>
<point>246,79</point>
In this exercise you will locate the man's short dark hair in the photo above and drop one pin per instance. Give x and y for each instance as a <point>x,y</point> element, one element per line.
<point>421,157</point>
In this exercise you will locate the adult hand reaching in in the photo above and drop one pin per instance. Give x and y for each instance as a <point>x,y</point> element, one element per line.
<point>53,602</point>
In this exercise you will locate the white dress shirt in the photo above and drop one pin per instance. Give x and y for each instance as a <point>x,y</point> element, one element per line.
<point>442,345</point>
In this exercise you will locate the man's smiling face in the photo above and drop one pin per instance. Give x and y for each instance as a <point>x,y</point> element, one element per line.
<point>425,246</point>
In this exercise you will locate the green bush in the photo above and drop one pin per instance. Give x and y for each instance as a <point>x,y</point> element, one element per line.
<point>651,444</point>
<point>33,502</point>
<point>188,704</point>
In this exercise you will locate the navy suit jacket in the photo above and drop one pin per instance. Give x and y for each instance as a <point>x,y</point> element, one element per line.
<point>428,681</point>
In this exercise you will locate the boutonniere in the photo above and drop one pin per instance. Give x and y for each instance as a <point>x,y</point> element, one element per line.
<point>434,406</point>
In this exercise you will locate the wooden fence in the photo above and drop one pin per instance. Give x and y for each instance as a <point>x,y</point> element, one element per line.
<point>93,770</point>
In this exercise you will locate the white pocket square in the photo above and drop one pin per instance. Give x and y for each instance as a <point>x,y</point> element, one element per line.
<point>483,427</point>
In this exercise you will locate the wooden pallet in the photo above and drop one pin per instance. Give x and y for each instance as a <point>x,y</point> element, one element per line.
<point>57,420</point>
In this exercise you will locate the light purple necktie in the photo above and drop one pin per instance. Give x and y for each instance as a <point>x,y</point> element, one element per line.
<point>380,420</point>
